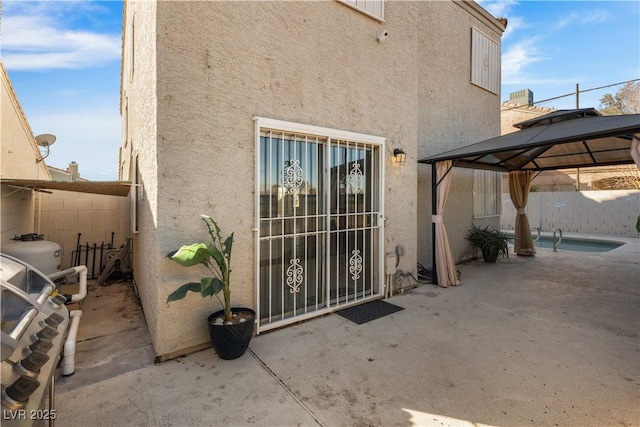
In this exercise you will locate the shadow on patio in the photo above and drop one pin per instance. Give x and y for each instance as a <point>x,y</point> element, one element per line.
<point>550,340</point>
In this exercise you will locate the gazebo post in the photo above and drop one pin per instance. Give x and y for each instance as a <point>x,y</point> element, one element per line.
<point>434,211</point>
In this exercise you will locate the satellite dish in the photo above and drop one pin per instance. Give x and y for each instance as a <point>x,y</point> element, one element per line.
<point>45,140</point>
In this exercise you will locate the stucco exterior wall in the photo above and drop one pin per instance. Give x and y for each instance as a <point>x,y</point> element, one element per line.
<point>612,212</point>
<point>452,113</point>
<point>18,154</point>
<point>19,149</point>
<point>139,101</point>
<point>511,114</point>
<point>316,63</point>
<point>289,69</point>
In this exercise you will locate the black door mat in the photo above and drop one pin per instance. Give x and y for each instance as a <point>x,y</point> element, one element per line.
<point>369,311</point>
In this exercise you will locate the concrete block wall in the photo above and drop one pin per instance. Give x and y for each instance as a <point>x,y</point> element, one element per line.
<point>607,212</point>
<point>17,212</point>
<point>64,214</point>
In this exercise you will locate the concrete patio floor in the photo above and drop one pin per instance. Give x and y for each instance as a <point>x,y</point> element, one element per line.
<point>551,340</point>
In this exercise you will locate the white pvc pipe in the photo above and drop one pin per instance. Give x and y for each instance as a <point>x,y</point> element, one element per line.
<point>82,292</point>
<point>82,271</point>
<point>68,367</point>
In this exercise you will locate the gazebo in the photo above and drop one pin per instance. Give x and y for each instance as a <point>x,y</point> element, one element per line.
<point>559,140</point>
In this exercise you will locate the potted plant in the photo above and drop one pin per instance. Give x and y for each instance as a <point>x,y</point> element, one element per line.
<point>492,243</point>
<point>230,329</point>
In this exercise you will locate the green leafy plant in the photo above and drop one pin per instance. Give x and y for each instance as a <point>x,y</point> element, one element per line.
<point>216,257</point>
<point>535,189</point>
<point>492,243</point>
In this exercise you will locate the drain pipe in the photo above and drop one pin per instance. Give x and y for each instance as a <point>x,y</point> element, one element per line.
<point>68,364</point>
<point>82,291</point>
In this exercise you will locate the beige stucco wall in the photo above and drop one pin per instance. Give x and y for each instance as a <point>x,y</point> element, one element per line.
<point>452,113</point>
<point>19,149</point>
<point>139,102</point>
<point>18,154</point>
<point>511,114</point>
<point>315,63</point>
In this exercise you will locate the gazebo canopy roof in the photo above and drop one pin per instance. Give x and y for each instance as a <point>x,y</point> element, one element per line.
<point>559,140</point>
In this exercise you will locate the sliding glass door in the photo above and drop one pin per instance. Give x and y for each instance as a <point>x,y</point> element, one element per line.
<point>319,224</point>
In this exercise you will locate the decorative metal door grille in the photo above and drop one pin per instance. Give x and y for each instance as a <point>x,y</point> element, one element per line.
<point>318,221</point>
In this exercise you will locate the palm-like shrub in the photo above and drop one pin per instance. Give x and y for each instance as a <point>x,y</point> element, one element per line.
<point>216,258</point>
<point>493,243</point>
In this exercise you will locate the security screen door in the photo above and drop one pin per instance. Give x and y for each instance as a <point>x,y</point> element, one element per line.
<point>319,221</point>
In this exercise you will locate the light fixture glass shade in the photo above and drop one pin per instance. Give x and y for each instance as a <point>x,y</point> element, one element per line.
<point>400,156</point>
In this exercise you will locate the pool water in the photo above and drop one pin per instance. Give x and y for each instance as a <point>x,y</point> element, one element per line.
<point>577,245</point>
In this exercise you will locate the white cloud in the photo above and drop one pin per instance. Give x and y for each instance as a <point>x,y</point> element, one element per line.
<point>513,26</point>
<point>588,17</point>
<point>60,36</point>
<point>33,39</point>
<point>498,9</point>
<point>517,58</point>
<point>521,51</point>
<point>503,9</point>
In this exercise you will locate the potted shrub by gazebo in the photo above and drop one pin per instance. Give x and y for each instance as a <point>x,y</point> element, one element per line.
<point>493,243</point>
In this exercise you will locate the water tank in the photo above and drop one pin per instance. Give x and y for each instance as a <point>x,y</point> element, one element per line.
<point>41,254</point>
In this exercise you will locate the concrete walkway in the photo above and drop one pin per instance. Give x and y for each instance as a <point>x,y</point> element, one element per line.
<point>544,341</point>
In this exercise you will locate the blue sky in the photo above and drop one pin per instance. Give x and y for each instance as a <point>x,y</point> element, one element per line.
<point>63,58</point>
<point>550,46</point>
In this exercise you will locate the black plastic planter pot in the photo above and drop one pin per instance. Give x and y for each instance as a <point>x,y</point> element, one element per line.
<point>489,257</point>
<point>231,341</point>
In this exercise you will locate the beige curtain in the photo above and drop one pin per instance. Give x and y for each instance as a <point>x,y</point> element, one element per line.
<point>635,150</point>
<point>519,185</point>
<point>445,267</point>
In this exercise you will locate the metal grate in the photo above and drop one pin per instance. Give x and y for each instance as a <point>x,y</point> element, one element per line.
<point>372,8</point>
<point>485,61</point>
<point>92,255</point>
<point>318,224</point>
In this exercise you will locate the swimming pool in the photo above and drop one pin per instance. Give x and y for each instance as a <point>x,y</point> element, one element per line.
<point>577,244</point>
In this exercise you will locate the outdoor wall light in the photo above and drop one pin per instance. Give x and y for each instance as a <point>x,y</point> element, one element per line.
<point>400,156</point>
